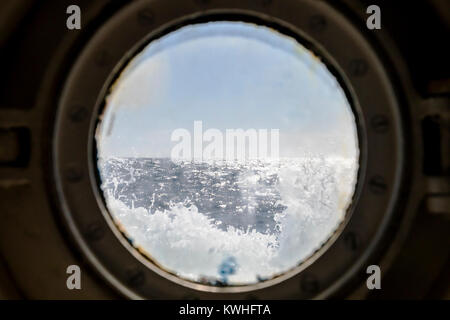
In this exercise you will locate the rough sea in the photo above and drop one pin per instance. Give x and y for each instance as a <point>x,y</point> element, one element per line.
<point>231,223</point>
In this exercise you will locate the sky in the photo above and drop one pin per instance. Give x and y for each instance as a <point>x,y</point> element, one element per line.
<point>228,75</point>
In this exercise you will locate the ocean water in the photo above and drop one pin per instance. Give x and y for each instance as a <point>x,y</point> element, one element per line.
<point>228,223</point>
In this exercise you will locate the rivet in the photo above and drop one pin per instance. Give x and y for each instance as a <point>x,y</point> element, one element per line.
<point>377,184</point>
<point>309,284</point>
<point>358,67</point>
<point>73,173</point>
<point>380,123</point>
<point>351,241</point>
<point>317,23</point>
<point>95,232</point>
<point>78,114</point>
<point>102,59</point>
<point>145,17</point>
<point>135,278</point>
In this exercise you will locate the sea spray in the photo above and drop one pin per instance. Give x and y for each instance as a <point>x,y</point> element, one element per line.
<point>299,201</point>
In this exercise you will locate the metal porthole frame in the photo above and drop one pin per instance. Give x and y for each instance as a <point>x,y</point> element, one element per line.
<point>317,24</point>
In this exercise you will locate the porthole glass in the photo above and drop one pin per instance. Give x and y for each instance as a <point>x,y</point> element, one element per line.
<point>227,152</point>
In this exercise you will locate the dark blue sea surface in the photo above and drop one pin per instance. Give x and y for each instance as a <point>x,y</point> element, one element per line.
<point>234,194</point>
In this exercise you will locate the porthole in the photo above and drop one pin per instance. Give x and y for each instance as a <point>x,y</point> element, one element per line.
<point>228,152</point>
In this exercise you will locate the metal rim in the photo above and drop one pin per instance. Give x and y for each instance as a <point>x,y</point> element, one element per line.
<point>351,58</point>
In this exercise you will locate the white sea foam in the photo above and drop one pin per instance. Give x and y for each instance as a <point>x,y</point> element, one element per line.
<point>190,243</point>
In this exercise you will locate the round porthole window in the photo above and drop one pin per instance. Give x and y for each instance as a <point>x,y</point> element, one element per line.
<point>227,153</point>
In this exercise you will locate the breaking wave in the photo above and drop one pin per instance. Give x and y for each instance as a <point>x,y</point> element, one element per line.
<point>222,223</point>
